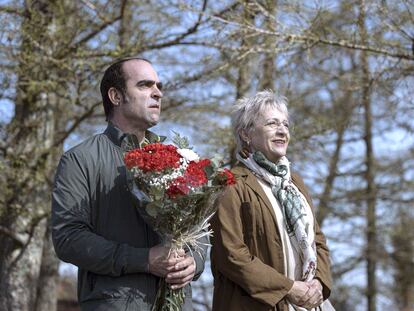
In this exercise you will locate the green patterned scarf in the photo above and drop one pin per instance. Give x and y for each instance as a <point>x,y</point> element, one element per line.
<point>291,203</point>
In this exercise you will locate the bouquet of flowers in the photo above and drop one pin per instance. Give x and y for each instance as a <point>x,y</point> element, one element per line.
<point>178,190</point>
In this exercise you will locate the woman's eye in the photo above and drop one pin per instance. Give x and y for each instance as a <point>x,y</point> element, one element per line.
<point>275,124</point>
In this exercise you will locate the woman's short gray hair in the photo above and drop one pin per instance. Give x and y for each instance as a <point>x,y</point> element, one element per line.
<point>246,109</point>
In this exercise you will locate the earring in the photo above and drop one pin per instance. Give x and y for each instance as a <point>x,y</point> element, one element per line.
<point>245,151</point>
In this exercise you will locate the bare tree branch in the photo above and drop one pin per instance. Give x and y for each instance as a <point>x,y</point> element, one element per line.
<point>180,37</point>
<point>94,32</point>
<point>20,241</point>
<point>11,10</point>
<point>313,40</point>
<point>77,121</point>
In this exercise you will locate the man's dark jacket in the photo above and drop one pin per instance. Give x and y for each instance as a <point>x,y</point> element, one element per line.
<point>96,226</point>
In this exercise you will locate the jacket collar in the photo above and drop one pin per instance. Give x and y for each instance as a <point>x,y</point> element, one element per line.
<point>251,181</point>
<point>117,136</point>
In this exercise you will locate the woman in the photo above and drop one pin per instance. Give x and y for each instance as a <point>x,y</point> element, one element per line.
<point>268,251</point>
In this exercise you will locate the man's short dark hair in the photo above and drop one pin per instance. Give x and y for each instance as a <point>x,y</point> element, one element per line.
<point>114,76</point>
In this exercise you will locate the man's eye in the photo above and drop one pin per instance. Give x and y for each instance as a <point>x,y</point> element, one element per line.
<point>286,124</point>
<point>149,84</point>
<point>145,83</point>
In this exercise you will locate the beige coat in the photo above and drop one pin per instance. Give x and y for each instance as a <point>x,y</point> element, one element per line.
<point>247,256</point>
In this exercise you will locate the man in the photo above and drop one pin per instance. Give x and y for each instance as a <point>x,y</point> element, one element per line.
<point>96,225</point>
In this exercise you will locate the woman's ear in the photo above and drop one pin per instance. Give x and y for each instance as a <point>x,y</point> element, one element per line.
<point>245,148</point>
<point>115,96</point>
<point>244,136</point>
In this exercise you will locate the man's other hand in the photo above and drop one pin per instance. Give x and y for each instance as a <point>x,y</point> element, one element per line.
<point>183,273</point>
<point>161,260</point>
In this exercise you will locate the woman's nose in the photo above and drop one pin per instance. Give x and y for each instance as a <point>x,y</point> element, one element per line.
<point>282,129</point>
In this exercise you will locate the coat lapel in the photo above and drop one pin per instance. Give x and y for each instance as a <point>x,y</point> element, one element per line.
<point>251,180</point>
<point>252,183</point>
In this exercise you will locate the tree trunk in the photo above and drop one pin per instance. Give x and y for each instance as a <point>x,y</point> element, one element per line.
<point>48,276</point>
<point>245,71</point>
<point>267,80</point>
<point>344,110</point>
<point>403,260</point>
<point>244,78</point>
<point>371,232</point>
<point>125,21</point>
<point>26,206</point>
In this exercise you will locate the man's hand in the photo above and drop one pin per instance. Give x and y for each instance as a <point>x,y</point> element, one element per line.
<point>161,261</point>
<point>177,267</point>
<point>315,294</point>
<point>183,273</point>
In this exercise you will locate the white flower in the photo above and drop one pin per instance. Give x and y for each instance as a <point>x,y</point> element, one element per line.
<point>188,154</point>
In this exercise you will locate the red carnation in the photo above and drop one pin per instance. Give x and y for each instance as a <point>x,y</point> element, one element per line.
<point>153,157</point>
<point>227,177</point>
<point>178,187</point>
<point>195,174</point>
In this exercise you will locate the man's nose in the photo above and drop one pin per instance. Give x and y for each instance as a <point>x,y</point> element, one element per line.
<point>156,93</point>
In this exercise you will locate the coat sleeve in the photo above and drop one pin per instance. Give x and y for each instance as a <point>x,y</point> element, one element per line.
<point>200,257</point>
<point>232,257</point>
<point>72,230</point>
<point>323,270</point>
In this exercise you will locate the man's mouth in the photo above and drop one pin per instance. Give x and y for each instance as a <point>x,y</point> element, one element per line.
<point>156,106</point>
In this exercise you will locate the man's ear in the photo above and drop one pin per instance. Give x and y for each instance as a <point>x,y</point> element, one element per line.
<point>115,96</point>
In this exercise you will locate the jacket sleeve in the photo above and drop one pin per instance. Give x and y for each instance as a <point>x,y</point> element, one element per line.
<point>72,230</point>
<point>232,258</point>
<point>323,270</point>
<point>200,257</point>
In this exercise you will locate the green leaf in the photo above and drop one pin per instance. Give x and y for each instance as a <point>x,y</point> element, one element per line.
<point>152,209</point>
<point>217,161</point>
<point>156,193</point>
<point>209,170</point>
<point>180,141</point>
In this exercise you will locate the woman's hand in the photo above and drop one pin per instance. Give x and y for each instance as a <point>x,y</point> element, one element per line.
<point>298,294</point>
<point>315,294</point>
<point>306,294</point>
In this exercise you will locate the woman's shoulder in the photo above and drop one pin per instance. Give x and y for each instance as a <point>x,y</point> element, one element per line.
<point>240,170</point>
<point>241,174</point>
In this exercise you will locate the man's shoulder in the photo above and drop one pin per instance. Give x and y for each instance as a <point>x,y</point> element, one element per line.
<point>86,145</point>
<point>87,150</point>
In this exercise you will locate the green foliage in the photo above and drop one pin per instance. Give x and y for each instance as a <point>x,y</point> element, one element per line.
<point>180,141</point>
